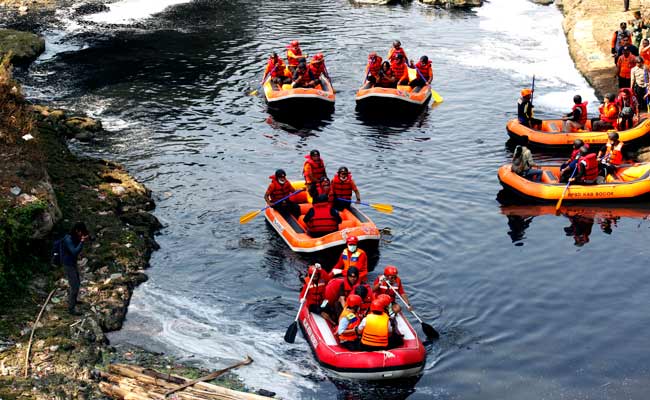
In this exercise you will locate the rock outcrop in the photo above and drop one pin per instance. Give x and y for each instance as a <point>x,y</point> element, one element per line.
<point>25,47</point>
<point>454,3</point>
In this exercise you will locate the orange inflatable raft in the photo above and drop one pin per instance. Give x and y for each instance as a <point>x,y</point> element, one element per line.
<point>632,182</point>
<point>286,98</point>
<point>551,133</point>
<point>294,231</point>
<point>401,98</point>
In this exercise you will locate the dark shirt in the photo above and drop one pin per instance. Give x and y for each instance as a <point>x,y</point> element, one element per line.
<point>633,49</point>
<point>524,111</point>
<point>575,115</point>
<point>71,251</point>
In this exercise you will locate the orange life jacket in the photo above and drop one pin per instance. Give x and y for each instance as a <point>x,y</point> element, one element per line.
<point>275,68</point>
<point>317,169</point>
<point>316,293</point>
<point>385,78</point>
<point>317,69</point>
<point>609,113</point>
<point>278,191</point>
<point>365,306</point>
<point>322,221</point>
<point>590,164</point>
<point>293,54</point>
<point>352,260</point>
<point>425,70</point>
<point>303,78</point>
<point>399,68</point>
<point>374,67</point>
<point>583,112</point>
<point>342,189</point>
<point>614,155</point>
<point>393,52</point>
<point>354,321</point>
<point>625,65</point>
<point>375,333</point>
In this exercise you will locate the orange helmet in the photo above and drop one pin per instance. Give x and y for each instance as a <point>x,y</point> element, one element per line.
<point>295,43</point>
<point>354,300</point>
<point>352,240</point>
<point>377,305</point>
<point>390,270</point>
<point>526,92</point>
<point>384,299</point>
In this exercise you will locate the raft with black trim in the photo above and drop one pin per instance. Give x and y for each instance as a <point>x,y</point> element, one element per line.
<point>551,134</point>
<point>400,362</point>
<point>294,231</point>
<point>402,98</point>
<point>316,99</point>
<point>630,183</point>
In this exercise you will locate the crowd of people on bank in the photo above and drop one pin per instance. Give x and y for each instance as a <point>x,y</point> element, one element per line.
<point>300,73</point>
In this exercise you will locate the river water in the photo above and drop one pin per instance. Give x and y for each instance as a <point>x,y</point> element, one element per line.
<point>529,304</point>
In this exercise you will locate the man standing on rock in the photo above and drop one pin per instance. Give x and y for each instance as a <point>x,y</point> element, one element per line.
<point>72,246</point>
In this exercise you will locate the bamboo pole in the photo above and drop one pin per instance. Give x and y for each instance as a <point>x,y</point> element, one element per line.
<point>211,376</point>
<point>31,337</point>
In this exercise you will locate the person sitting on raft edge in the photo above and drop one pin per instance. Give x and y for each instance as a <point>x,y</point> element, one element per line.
<point>523,163</point>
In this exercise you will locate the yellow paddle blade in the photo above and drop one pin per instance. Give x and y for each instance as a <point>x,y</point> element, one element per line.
<point>254,93</point>
<point>247,217</point>
<point>385,208</point>
<point>559,203</point>
<point>436,97</point>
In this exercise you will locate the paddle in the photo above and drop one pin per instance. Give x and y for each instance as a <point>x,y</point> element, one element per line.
<point>290,335</point>
<point>559,202</point>
<point>385,208</point>
<point>436,97</point>
<point>428,330</point>
<point>249,216</point>
<point>532,90</point>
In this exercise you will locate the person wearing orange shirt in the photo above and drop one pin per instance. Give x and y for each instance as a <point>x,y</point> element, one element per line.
<point>624,66</point>
<point>644,51</point>
<point>352,256</point>
<point>608,115</point>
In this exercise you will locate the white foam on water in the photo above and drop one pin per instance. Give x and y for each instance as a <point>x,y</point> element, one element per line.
<point>511,45</point>
<point>128,11</point>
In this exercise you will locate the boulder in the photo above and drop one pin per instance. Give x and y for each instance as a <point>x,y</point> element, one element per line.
<point>25,47</point>
<point>454,3</point>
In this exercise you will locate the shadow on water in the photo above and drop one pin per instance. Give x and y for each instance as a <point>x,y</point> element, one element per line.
<point>386,390</point>
<point>299,124</point>
<point>382,119</point>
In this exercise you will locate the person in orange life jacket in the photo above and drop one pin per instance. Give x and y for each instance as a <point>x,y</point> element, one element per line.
<point>387,78</point>
<point>303,78</point>
<point>313,168</point>
<point>338,289</point>
<point>352,256</point>
<point>628,108</point>
<point>322,219</point>
<point>348,321</point>
<point>279,188</point>
<point>624,66</point>
<point>611,155</point>
<point>567,167</point>
<point>400,69</point>
<point>317,68</point>
<point>395,51</point>
<point>608,115</point>
<point>375,328</point>
<point>365,292</point>
<point>587,167</point>
<point>294,54</point>
<point>372,69</point>
<point>577,118</point>
<point>320,193</point>
<point>276,68</point>
<point>425,75</point>
<point>380,287</point>
<point>396,338</point>
<point>342,188</point>
<point>316,294</point>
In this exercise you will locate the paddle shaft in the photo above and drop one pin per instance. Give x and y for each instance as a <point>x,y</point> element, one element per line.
<point>302,300</point>
<point>559,202</point>
<point>283,199</point>
<point>402,299</point>
<point>532,90</point>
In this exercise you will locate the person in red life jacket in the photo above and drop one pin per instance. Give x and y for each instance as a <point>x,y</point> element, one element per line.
<point>338,289</point>
<point>276,68</point>
<point>372,69</point>
<point>425,73</point>
<point>352,256</point>
<point>365,292</point>
<point>395,51</point>
<point>322,219</point>
<point>611,155</point>
<point>587,167</point>
<point>348,321</point>
<point>608,115</point>
<point>313,168</point>
<point>316,294</point>
<point>628,108</point>
<point>342,188</point>
<point>567,167</point>
<point>375,328</point>
<point>317,68</point>
<point>320,193</point>
<point>380,287</point>
<point>294,54</point>
<point>303,78</point>
<point>387,77</point>
<point>577,118</point>
<point>400,69</point>
<point>279,188</point>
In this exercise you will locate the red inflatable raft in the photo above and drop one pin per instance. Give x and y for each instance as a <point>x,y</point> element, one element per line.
<point>401,362</point>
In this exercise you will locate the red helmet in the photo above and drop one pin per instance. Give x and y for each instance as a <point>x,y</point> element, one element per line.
<point>295,43</point>
<point>390,270</point>
<point>384,299</point>
<point>311,270</point>
<point>354,300</point>
<point>352,240</point>
<point>377,305</point>
<point>318,57</point>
